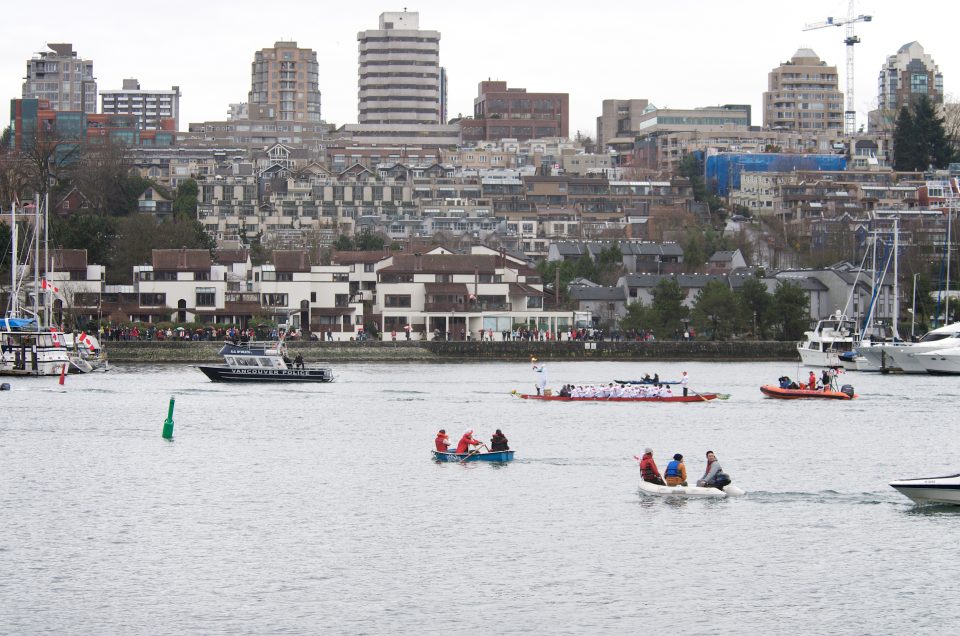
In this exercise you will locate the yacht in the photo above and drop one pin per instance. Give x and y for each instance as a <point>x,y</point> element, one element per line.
<point>263,362</point>
<point>26,350</point>
<point>935,490</point>
<point>822,346</point>
<point>941,361</point>
<point>904,356</point>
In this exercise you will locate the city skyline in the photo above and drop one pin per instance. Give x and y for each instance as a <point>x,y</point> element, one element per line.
<point>592,56</point>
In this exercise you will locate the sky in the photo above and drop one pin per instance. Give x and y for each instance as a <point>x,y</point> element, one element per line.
<point>677,54</point>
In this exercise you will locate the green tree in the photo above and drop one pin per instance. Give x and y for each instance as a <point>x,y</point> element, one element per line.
<point>637,317</point>
<point>716,311</point>
<point>920,140</point>
<point>790,312</point>
<point>85,230</point>
<point>343,244</point>
<point>139,234</point>
<point>668,307</point>
<point>755,303</point>
<point>370,241</point>
<point>185,200</point>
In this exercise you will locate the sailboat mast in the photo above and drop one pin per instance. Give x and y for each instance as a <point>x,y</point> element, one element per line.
<point>14,296</point>
<point>946,311</point>
<point>896,275</point>
<point>36,257</point>
<point>47,308</point>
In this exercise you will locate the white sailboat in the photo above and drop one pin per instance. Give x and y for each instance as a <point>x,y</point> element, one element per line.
<point>26,347</point>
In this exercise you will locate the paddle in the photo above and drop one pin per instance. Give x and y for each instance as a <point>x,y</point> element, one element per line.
<point>699,396</point>
<point>473,452</point>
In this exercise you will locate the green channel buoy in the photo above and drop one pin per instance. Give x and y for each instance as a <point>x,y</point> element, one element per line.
<point>168,423</point>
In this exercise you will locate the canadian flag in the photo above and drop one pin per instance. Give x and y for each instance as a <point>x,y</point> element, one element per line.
<point>47,285</point>
<point>85,340</point>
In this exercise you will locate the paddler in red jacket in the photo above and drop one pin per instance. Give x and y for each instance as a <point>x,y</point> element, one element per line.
<point>648,468</point>
<point>442,441</point>
<point>466,441</point>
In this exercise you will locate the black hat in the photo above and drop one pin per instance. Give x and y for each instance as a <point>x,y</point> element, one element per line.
<point>678,457</point>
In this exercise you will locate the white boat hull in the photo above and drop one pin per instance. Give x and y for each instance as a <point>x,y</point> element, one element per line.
<point>654,490</point>
<point>811,358</point>
<point>944,362</point>
<point>933,490</point>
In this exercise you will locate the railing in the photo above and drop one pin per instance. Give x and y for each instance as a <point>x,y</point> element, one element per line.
<point>465,307</point>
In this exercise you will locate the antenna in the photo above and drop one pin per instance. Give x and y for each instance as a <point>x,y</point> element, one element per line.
<point>850,114</point>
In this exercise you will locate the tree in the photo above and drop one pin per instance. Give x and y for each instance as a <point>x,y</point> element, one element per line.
<point>343,244</point>
<point>637,318</point>
<point>920,139</point>
<point>716,310</point>
<point>185,200</point>
<point>790,313</point>
<point>139,234</point>
<point>756,303</point>
<point>92,232</point>
<point>668,307</point>
<point>369,241</point>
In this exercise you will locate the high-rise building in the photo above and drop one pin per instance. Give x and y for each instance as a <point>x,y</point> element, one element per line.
<point>155,109</point>
<point>285,84</point>
<point>803,95</point>
<point>399,72</point>
<point>61,78</point>
<point>906,77</point>
<point>513,113</point>
<point>619,120</point>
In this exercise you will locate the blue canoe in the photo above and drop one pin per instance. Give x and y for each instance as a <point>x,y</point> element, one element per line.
<point>498,456</point>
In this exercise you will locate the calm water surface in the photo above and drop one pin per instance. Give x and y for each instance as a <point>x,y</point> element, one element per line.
<point>317,509</point>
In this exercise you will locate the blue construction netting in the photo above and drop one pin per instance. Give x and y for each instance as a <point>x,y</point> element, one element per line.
<point>723,170</point>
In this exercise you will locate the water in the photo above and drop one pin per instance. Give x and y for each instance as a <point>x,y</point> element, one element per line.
<point>317,509</point>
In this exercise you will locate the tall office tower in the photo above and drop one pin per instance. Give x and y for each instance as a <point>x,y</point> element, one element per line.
<point>399,72</point>
<point>155,109</point>
<point>803,95</point>
<point>285,84</point>
<point>61,78</point>
<point>908,75</point>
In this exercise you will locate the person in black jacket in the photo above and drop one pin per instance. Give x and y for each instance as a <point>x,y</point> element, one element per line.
<point>498,442</point>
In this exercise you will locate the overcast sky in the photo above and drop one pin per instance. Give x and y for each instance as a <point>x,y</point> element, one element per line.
<point>678,54</point>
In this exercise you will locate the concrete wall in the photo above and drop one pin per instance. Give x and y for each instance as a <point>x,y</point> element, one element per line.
<point>439,351</point>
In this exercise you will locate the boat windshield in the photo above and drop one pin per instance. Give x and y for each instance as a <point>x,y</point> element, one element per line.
<point>933,337</point>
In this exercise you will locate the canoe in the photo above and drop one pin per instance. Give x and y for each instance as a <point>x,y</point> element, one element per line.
<point>655,490</point>
<point>493,456</point>
<point>793,394</point>
<point>703,397</point>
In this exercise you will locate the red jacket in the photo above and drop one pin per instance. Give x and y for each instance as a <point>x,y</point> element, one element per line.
<point>442,442</point>
<point>465,442</point>
<point>648,467</point>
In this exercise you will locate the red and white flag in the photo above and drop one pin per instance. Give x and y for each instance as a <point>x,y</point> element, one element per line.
<point>48,285</point>
<point>85,340</point>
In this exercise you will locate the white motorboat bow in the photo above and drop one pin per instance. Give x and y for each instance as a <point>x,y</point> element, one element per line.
<point>906,357</point>
<point>927,490</point>
<point>655,490</point>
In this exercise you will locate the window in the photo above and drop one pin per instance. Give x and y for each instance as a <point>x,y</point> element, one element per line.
<point>396,300</point>
<point>285,276</point>
<point>153,300</point>
<point>368,267</point>
<point>201,276</point>
<point>206,297</point>
<point>313,297</point>
<point>274,300</point>
<point>164,276</point>
<point>341,300</point>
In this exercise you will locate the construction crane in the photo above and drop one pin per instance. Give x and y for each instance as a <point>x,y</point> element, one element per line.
<point>850,114</point>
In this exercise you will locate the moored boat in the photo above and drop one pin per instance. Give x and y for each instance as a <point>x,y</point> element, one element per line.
<point>845,393</point>
<point>697,397</point>
<point>730,490</point>
<point>263,362</point>
<point>822,346</point>
<point>491,456</point>
<point>927,490</point>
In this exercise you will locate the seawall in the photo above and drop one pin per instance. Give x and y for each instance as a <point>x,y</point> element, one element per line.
<point>430,351</point>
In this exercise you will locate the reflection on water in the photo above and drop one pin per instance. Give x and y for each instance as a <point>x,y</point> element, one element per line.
<point>283,508</point>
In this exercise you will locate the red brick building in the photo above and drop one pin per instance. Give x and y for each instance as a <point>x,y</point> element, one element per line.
<point>513,113</point>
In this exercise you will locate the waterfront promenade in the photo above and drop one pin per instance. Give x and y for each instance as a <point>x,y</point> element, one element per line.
<point>441,351</point>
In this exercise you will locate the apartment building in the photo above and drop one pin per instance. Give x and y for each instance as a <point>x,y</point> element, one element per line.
<point>618,121</point>
<point>62,78</point>
<point>803,94</point>
<point>399,74</point>
<point>906,76</point>
<point>285,83</point>
<point>500,112</point>
<point>154,109</point>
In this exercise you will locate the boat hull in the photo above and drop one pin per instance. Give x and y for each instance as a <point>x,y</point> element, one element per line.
<point>946,362</point>
<point>797,394</point>
<point>224,373</point>
<point>655,490</point>
<point>811,358</point>
<point>933,490</point>
<point>702,397</point>
<point>493,456</point>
